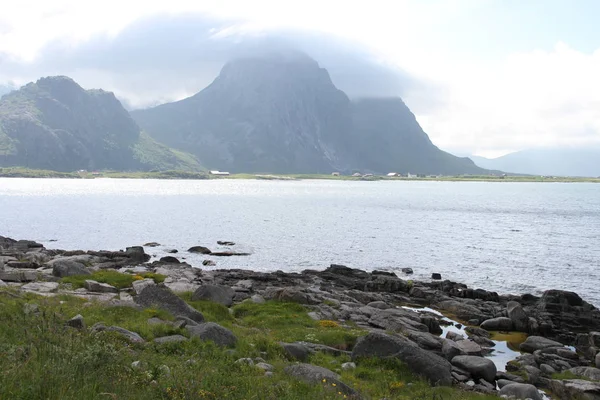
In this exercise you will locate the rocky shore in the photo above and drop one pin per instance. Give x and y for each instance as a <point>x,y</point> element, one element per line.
<point>401,318</point>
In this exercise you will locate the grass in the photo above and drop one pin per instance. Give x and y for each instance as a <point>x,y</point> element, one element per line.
<point>41,358</point>
<point>569,375</point>
<point>111,277</point>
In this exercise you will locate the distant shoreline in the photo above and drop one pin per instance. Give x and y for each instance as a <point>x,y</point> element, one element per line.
<point>11,172</point>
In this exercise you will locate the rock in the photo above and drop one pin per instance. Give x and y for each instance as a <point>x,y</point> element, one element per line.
<point>295,351</point>
<point>427,364</point>
<point>318,375</point>
<point>407,271</point>
<point>182,286</point>
<point>209,263</point>
<point>137,253</point>
<point>294,295</point>
<point>40,287</point>
<point>348,366</point>
<point>450,349</point>
<point>469,348</point>
<point>199,249</point>
<point>228,253</point>
<point>436,276</point>
<point>587,372</point>
<point>258,299</point>
<point>98,287</point>
<point>171,339</point>
<point>215,293</point>
<point>140,285</point>
<point>213,332</point>
<point>18,276</point>
<point>22,264</point>
<point>533,343</point>
<point>2,284</point>
<point>247,361</point>
<point>264,366</point>
<point>387,284</point>
<point>63,268</point>
<point>382,305</point>
<point>164,370</point>
<point>152,244</point>
<point>172,251</point>
<point>164,299</point>
<point>520,391</point>
<point>533,374</point>
<point>454,336</point>
<point>518,317</point>
<point>169,260</point>
<point>497,324</point>
<point>598,360</point>
<point>547,369</point>
<point>77,322</point>
<point>575,389</point>
<point>225,243</point>
<point>478,367</point>
<point>129,335</point>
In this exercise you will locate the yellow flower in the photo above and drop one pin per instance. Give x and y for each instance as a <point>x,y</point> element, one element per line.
<point>333,384</point>
<point>324,380</point>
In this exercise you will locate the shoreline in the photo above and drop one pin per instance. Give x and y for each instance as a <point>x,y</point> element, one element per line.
<point>14,172</point>
<point>372,304</point>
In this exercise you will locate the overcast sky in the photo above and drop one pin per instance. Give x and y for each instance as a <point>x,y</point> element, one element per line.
<point>484,77</point>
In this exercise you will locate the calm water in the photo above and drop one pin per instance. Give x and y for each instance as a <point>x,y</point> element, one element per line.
<point>509,237</point>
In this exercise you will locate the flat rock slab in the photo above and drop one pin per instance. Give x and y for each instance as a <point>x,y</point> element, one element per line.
<point>520,391</point>
<point>478,367</point>
<point>157,297</point>
<point>216,293</point>
<point>40,287</point>
<point>213,332</point>
<point>533,343</point>
<point>18,276</point>
<point>98,287</point>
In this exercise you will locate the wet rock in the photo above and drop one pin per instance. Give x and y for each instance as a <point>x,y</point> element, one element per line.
<point>213,332</point>
<point>164,299</point>
<point>478,367</point>
<point>407,271</point>
<point>152,244</point>
<point>575,389</point>
<point>199,249</point>
<point>215,293</point>
<point>64,268</point>
<point>209,263</point>
<point>436,276</point>
<point>225,243</point>
<point>587,372</point>
<point>533,343</point>
<point>520,391</point>
<point>77,322</point>
<point>497,324</point>
<point>137,253</point>
<point>171,339</point>
<point>40,287</point>
<point>454,336</point>
<point>318,375</point>
<point>98,287</point>
<point>169,260</point>
<point>140,285</point>
<point>427,364</point>
<point>518,316</point>
<point>348,366</point>
<point>295,351</point>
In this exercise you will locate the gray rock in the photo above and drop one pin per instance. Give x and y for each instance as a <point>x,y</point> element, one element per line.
<point>129,335</point>
<point>98,287</point>
<point>152,244</point>
<point>478,367</point>
<point>213,332</point>
<point>450,349</point>
<point>294,295</point>
<point>295,351</point>
<point>547,369</point>
<point>247,361</point>
<point>164,299</point>
<point>199,249</point>
<point>164,370</point>
<point>209,263</point>
<point>215,293</point>
<point>63,268</point>
<point>258,299</point>
<point>348,366</point>
<point>520,391</point>
<point>533,343</point>
<point>137,253</point>
<point>436,276</point>
<point>575,389</point>
<point>497,324</point>
<point>77,322</point>
<point>318,375</point>
<point>18,276</point>
<point>517,316</point>
<point>469,348</point>
<point>2,284</point>
<point>264,366</point>
<point>587,372</point>
<point>503,382</point>
<point>598,360</point>
<point>454,336</point>
<point>407,270</point>
<point>169,260</point>
<point>182,286</point>
<point>427,364</point>
<point>382,305</point>
<point>40,287</point>
<point>171,339</point>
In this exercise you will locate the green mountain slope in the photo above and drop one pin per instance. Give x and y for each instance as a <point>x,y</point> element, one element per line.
<point>55,124</point>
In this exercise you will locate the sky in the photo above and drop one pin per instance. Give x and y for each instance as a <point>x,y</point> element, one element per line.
<point>484,77</point>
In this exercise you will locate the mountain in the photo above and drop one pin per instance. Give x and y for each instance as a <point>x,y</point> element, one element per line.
<point>6,89</point>
<point>554,162</point>
<point>281,113</point>
<point>55,124</point>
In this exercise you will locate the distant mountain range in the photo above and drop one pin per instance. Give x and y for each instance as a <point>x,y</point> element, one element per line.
<point>281,113</point>
<point>554,162</point>
<point>55,124</point>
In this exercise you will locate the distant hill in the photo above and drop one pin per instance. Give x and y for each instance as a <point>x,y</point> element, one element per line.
<point>6,88</point>
<point>281,113</point>
<point>554,162</point>
<point>55,124</point>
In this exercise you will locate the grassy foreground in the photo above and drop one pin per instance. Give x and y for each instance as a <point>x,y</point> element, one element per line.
<point>41,358</point>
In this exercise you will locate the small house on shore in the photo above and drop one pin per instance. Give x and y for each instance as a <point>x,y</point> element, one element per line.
<point>335,174</point>
<point>221,173</point>
<point>392,174</point>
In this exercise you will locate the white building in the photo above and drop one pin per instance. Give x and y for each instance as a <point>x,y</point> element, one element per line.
<point>219,173</point>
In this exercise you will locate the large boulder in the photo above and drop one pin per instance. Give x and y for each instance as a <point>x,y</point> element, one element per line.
<point>295,351</point>
<point>497,324</point>
<point>64,268</point>
<point>215,293</point>
<point>294,295</point>
<point>427,364</point>
<point>162,298</point>
<point>587,372</point>
<point>520,391</point>
<point>98,287</point>
<point>318,375</point>
<point>199,249</point>
<point>598,360</point>
<point>575,389</point>
<point>137,253</point>
<point>213,332</point>
<point>518,317</point>
<point>478,367</point>
<point>533,343</point>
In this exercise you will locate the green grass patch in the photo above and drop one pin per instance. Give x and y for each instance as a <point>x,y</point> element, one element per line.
<point>569,375</point>
<point>117,279</point>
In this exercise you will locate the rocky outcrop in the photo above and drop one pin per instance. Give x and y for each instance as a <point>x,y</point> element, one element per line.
<point>218,294</point>
<point>162,298</point>
<point>478,367</point>
<point>521,391</point>
<point>318,375</point>
<point>214,332</point>
<point>533,343</point>
<point>517,315</point>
